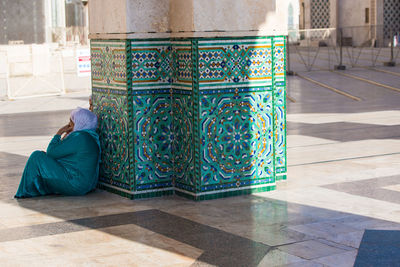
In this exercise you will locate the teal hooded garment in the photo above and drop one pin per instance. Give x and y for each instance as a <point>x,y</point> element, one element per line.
<point>70,167</point>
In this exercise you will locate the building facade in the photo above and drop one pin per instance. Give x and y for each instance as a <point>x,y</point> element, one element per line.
<point>40,42</point>
<point>361,20</point>
<point>43,21</point>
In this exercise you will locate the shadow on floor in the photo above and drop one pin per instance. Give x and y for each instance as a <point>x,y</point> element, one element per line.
<point>230,232</point>
<point>33,123</point>
<point>344,131</point>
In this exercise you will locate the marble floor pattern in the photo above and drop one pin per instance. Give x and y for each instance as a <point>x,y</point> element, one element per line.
<point>340,205</point>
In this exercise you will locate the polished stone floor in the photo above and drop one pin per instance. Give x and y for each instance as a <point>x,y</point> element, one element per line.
<point>339,207</point>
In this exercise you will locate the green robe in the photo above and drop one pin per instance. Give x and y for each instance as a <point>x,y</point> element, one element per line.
<point>70,167</point>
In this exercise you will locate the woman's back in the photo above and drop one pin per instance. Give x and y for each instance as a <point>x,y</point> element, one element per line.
<point>70,166</point>
<point>79,154</point>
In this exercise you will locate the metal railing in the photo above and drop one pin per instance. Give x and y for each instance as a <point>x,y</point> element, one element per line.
<point>70,35</point>
<point>39,70</point>
<point>339,48</point>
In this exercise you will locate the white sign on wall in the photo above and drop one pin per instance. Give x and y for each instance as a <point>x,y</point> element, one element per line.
<point>83,62</point>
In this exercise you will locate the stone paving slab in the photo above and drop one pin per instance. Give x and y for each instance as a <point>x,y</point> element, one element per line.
<point>344,170</point>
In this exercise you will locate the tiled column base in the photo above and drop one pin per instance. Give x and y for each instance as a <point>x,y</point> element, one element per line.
<point>204,118</point>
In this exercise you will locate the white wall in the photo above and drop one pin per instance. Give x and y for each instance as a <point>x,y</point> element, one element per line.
<point>28,70</point>
<point>351,16</point>
<point>147,15</point>
<point>352,13</point>
<point>107,16</point>
<point>179,18</point>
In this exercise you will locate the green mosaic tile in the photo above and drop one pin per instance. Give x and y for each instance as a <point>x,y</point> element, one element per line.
<point>182,67</point>
<point>183,140</point>
<point>153,194</point>
<point>236,137</point>
<point>153,138</point>
<point>280,105</point>
<point>281,177</point>
<point>202,115</point>
<point>115,191</point>
<point>225,62</point>
<point>239,192</point>
<point>109,64</point>
<point>151,64</point>
<point>112,112</point>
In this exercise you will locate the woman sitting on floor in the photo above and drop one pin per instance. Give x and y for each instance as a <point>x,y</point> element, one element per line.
<point>71,164</point>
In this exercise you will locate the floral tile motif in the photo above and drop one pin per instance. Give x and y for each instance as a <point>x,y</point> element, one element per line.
<point>112,112</point>
<point>280,106</point>
<point>109,64</point>
<point>183,140</point>
<point>236,137</point>
<point>203,116</point>
<point>153,138</point>
<point>151,63</point>
<point>235,62</point>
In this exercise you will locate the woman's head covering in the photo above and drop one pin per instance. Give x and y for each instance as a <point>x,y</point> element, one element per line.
<point>83,119</point>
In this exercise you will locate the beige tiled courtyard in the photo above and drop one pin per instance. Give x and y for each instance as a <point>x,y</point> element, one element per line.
<point>343,179</point>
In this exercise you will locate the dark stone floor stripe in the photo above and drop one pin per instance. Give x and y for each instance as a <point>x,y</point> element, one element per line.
<point>379,248</point>
<point>371,188</point>
<point>220,248</point>
<point>344,159</point>
<point>32,123</point>
<point>348,132</point>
